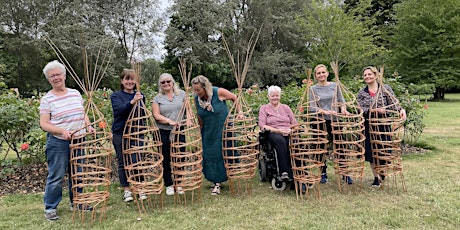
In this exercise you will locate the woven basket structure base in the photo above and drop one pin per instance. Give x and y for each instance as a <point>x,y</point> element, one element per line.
<point>240,150</point>
<point>186,148</point>
<point>90,165</point>
<point>142,156</point>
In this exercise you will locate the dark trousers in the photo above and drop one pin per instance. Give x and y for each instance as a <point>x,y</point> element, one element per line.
<point>327,125</point>
<point>281,144</point>
<point>117,141</point>
<point>166,151</point>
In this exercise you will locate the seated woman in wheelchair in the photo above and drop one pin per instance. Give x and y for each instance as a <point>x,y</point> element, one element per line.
<point>278,118</point>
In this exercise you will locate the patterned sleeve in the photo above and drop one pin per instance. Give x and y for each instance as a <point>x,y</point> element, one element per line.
<point>262,117</point>
<point>291,115</point>
<point>364,100</point>
<point>389,99</point>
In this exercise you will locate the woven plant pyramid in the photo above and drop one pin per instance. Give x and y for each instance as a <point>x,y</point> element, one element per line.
<point>385,126</point>
<point>90,148</point>
<point>240,143</point>
<point>308,143</point>
<point>186,149</point>
<point>348,135</point>
<point>142,152</point>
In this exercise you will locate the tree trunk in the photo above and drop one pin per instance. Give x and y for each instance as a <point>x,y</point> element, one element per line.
<point>439,94</point>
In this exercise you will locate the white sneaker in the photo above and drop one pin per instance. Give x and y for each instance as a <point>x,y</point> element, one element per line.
<point>170,190</point>
<point>180,191</point>
<point>142,196</point>
<point>128,196</point>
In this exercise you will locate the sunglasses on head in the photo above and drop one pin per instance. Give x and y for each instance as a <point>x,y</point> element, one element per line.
<point>167,81</point>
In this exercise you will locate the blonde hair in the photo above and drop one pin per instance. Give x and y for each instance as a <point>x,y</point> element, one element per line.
<point>319,66</point>
<point>167,76</point>
<point>204,82</point>
<point>373,69</point>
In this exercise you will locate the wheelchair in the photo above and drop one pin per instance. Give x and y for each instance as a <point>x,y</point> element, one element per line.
<point>268,164</point>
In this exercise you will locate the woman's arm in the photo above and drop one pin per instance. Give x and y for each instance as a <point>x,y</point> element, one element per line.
<point>227,95</point>
<point>46,125</point>
<point>159,117</point>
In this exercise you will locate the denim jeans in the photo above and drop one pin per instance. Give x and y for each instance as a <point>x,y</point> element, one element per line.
<point>57,157</point>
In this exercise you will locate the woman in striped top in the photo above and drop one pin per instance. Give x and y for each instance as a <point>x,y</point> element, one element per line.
<point>61,114</point>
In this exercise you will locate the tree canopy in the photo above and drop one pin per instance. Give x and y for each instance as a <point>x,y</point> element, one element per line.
<point>427,43</point>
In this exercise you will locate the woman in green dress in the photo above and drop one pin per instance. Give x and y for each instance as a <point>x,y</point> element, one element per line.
<point>212,111</point>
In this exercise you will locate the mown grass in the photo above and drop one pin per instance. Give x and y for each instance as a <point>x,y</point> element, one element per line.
<point>432,200</point>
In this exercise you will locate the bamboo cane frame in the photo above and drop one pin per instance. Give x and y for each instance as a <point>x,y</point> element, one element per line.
<point>348,136</point>
<point>385,129</point>
<point>90,154</point>
<point>142,153</point>
<point>308,143</point>
<point>240,141</point>
<point>186,147</point>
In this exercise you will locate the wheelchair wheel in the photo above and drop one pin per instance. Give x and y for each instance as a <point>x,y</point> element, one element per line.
<point>278,185</point>
<point>262,170</point>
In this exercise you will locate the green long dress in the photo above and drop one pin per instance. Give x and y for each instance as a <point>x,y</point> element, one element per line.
<point>213,124</point>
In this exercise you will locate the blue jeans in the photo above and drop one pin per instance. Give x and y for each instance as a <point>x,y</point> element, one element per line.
<point>57,157</point>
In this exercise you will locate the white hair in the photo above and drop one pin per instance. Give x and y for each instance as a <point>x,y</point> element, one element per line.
<point>53,65</point>
<point>273,88</point>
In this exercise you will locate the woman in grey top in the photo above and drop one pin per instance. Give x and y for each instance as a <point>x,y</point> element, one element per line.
<point>325,91</point>
<point>166,106</point>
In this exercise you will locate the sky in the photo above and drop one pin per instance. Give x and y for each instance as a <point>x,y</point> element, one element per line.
<point>164,4</point>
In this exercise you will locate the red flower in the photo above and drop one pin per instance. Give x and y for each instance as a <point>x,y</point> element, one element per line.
<point>425,106</point>
<point>102,125</point>
<point>249,91</point>
<point>25,146</point>
<point>301,109</point>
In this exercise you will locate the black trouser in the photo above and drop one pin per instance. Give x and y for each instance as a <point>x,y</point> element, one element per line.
<point>327,125</point>
<point>281,144</point>
<point>166,151</point>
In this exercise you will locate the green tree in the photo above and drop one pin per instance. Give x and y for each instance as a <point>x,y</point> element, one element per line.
<point>331,34</point>
<point>151,70</point>
<point>427,43</point>
<point>196,34</point>
<point>381,13</point>
<point>277,58</point>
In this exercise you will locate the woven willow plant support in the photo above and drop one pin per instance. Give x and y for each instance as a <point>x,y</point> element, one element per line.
<point>240,141</point>
<point>90,148</point>
<point>308,143</point>
<point>385,127</point>
<point>348,135</point>
<point>142,153</point>
<point>186,149</point>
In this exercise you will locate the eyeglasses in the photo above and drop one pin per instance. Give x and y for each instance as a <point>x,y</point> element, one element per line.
<point>55,75</point>
<point>167,81</point>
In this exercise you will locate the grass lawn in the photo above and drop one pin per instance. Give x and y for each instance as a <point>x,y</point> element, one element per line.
<point>432,200</point>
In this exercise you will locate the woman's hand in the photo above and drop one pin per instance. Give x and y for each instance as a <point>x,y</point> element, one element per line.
<point>67,134</point>
<point>138,96</point>
<point>285,132</point>
<point>402,113</point>
<point>328,112</point>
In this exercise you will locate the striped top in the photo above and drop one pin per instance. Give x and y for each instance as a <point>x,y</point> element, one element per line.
<point>65,111</point>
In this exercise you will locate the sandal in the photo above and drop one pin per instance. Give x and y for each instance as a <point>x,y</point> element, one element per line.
<point>215,189</point>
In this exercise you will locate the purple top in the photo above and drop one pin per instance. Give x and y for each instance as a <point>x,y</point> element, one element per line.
<point>281,118</point>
